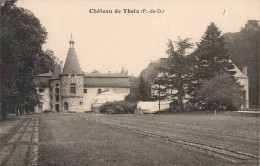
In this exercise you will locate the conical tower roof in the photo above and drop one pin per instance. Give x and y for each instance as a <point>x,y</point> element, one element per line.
<point>56,72</point>
<point>72,62</point>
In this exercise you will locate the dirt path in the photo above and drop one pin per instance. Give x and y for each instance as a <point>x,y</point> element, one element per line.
<point>19,146</point>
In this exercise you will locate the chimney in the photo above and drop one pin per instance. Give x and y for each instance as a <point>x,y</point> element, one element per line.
<point>244,70</point>
<point>61,66</point>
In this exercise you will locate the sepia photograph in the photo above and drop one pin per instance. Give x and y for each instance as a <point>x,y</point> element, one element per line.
<point>129,82</point>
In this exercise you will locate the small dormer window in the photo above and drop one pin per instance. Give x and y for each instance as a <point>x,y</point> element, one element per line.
<point>73,75</point>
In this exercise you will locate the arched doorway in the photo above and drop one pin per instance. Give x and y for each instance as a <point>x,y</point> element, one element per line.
<point>66,106</point>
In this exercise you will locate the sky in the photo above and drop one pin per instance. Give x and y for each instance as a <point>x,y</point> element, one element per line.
<point>109,41</point>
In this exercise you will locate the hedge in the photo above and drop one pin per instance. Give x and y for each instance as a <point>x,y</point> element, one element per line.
<point>118,107</point>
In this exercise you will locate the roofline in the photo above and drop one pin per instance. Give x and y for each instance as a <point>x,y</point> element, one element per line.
<point>65,74</point>
<point>241,77</point>
<point>55,79</point>
<point>106,86</point>
<point>43,76</point>
<point>107,76</point>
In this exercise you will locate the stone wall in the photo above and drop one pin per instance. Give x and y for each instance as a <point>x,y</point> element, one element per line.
<point>75,100</point>
<point>75,104</point>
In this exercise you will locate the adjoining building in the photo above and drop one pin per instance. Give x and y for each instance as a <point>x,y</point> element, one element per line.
<point>69,89</point>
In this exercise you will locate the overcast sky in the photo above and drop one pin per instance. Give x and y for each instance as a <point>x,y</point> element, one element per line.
<point>107,42</point>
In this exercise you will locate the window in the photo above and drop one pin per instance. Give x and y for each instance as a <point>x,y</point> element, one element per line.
<point>73,88</point>
<point>72,75</point>
<point>85,85</point>
<point>57,90</point>
<point>57,84</point>
<point>57,98</point>
<point>51,97</point>
<point>81,102</point>
<point>85,91</point>
<point>99,91</point>
<point>41,90</point>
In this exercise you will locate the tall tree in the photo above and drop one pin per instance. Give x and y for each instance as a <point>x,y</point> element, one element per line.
<point>211,57</point>
<point>45,61</point>
<point>244,50</point>
<point>134,95</point>
<point>144,89</point>
<point>21,42</point>
<point>178,68</point>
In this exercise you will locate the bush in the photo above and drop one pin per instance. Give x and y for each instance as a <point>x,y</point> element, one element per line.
<point>221,93</point>
<point>118,107</point>
<point>46,111</point>
<point>190,107</point>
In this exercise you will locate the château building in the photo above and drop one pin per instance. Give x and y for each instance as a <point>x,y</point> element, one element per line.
<point>69,89</point>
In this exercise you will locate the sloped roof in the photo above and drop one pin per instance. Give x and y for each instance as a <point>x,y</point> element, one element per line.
<point>105,75</point>
<point>72,63</point>
<point>113,82</point>
<point>239,73</point>
<point>49,74</point>
<point>56,72</point>
<point>41,81</point>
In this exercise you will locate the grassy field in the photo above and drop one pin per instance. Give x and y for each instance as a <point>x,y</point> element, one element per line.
<point>181,139</point>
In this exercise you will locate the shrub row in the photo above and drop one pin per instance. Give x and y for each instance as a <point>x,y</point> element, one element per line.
<point>118,107</point>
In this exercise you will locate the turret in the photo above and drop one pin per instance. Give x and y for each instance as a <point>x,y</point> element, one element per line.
<point>72,82</point>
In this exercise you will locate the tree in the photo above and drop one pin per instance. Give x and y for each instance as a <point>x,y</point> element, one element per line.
<point>178,68</point>
<point>221,93</point>
<point>159,87</point>
<point>152,70</point>
<point>45,61</point>
<point>144,89</point>
<point>211,58</point>
<point>134,95</point>
<point>244,50</point>
<point>212,54</point>
<point>21,39</point>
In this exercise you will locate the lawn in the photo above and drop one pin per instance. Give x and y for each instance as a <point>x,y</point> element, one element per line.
<point>98,139</point>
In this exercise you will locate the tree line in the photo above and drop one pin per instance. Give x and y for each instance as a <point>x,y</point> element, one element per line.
<point>244,50</point>
<point>206,75</point>
<point>22,58</point>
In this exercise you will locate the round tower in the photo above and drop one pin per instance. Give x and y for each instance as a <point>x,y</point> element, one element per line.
<point>72,83</point>
<point>55,88</point>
